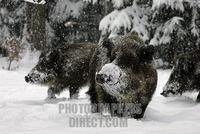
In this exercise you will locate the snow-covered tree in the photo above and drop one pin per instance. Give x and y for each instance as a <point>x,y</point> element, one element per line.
<point>14,48</point>
<point>173,26</point>
<point>176,25</point>
<point>36,1</point>
<point>128,16</point>
<point>76,20</point>
<point>12,19</point>
<point>36,25</point>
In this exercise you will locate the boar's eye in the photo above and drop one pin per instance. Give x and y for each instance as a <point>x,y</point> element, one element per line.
<point>145,54</point>
<point>109,45</point>
<point>127,59</point>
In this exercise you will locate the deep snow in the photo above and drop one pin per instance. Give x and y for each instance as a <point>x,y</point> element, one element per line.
<point>24,111</point>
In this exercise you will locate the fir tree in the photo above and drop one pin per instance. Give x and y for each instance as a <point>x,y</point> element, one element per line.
<point>176,27</point>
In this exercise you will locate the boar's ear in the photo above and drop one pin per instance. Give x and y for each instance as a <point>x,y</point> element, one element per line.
<point>108,44</point>
<point>145,54</point>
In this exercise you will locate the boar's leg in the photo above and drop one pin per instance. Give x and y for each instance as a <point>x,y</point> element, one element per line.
<point>93,95</point>
<point>195,85</point>
<point>198,98</point>
<point>54,89</point>
<point>93,99</point>
<point>50,93</point>
<point>73,92</point>
<point>143,109</point>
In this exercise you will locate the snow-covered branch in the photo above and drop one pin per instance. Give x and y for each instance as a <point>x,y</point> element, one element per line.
<point>66,8</point>
<point>174,4</point>
<point>132,18</point>
<point>195,30</point>
<point>164,31</point>
<point>36,1</point>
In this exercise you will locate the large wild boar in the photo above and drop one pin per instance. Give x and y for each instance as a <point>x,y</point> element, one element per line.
<point>185,75</point>
<point>121,73</point>
<point>63,67</point>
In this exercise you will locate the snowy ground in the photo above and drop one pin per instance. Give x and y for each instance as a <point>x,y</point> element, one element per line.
<point>24,111</point>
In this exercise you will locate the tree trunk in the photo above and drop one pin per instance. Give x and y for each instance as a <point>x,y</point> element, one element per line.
<point>9,65</point>
<point>108,7</point>
<point>36,18</point>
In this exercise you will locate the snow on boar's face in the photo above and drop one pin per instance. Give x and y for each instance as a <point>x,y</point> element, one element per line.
<point>46,71</point>
<point>178,81</point>
<point>123,75</point>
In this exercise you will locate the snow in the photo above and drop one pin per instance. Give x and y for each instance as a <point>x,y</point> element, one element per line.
<point>5,33</point>
<point>29,59</point>
<point>38,77</point>
<point>170,25</point>
<point>118,3</point>
<point>174,4</point>
<point>194,28</point>
<point>66,8</point>
<point>173,24</point>
<point>36,1</point>
<point>50,33</point>
<point>93,1</point>
<point>23,110</point>
<point>174,86</point>
<point>132,18</point>
<point>116,79</point>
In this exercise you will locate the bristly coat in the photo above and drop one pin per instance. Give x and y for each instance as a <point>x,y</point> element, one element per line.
<point>63,67</point>
<point>121,72</point>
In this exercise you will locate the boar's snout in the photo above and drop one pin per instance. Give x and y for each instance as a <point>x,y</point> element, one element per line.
<point>27,78</point>
<point>168,93</point>
<point>102,78</point>
<point>30,78</point>
<point>164,93</point>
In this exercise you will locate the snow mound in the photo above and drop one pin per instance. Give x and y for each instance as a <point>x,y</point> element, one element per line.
<point>24,111</point>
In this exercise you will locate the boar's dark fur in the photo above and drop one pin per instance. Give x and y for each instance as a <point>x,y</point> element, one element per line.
<point>185,75</point>
<point>121,73</point>
<point>63,67</point>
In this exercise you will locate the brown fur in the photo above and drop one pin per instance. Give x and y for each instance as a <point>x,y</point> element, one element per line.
<point>63,67</point>
<point>135,60</point>
<point>185,75</point>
